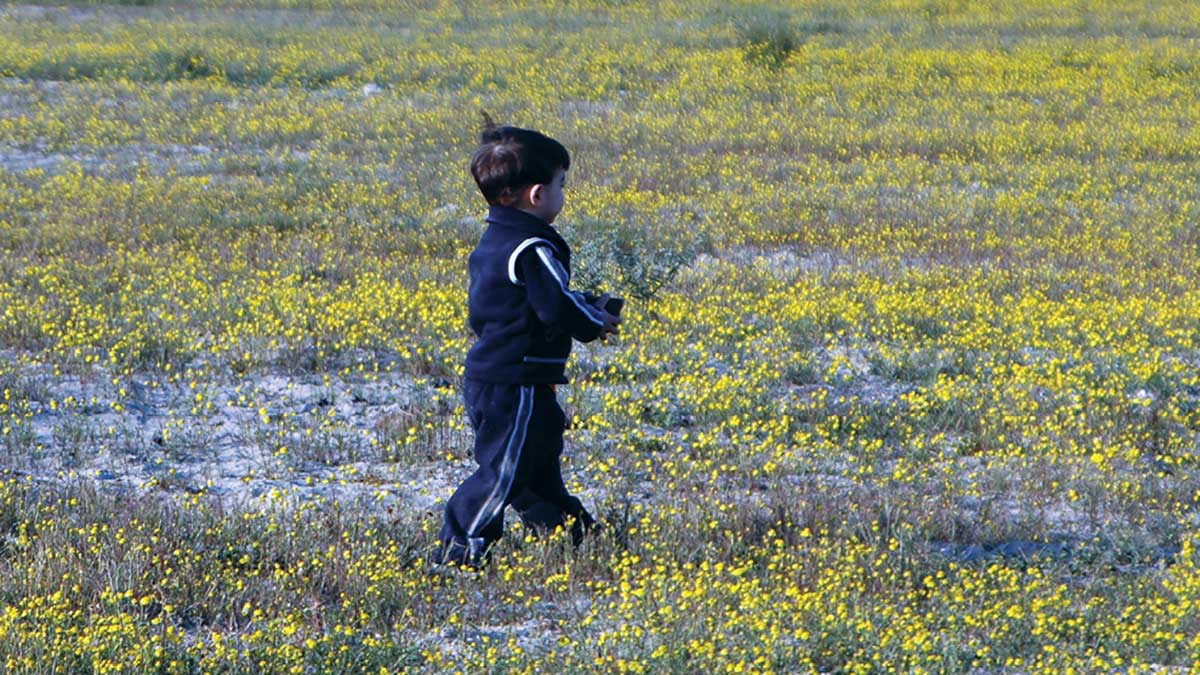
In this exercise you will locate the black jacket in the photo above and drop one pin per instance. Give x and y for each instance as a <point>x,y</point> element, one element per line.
<point>520,304</point>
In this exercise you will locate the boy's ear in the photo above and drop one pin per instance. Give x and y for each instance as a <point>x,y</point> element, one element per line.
<point>519,197</point>
<point>535,193</point>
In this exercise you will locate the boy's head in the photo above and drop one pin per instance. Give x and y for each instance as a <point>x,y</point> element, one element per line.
<point>521,168</point>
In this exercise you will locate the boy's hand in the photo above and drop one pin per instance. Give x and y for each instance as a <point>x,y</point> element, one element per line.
<point>611,321</point>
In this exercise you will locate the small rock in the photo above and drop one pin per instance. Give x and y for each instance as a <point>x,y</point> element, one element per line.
<point>1142,397</point>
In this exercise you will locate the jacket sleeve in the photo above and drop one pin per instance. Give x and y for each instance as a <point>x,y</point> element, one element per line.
<point>554,303</point>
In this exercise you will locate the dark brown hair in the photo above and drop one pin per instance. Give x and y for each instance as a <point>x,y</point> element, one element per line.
<point>509,158</point>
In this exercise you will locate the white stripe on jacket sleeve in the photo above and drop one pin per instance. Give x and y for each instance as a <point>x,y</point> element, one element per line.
<point>560,275</point>
<point>512,259</point>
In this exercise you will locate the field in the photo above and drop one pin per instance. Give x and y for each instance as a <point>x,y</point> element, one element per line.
<point>909,379</point>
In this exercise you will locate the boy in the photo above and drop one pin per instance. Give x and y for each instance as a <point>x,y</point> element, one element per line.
<point>525,315</point>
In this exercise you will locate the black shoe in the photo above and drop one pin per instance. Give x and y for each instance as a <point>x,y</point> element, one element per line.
<point>582,525</point>
<point>454,555</point>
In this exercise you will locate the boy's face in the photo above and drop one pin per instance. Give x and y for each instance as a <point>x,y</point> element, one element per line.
<point>546,201</point>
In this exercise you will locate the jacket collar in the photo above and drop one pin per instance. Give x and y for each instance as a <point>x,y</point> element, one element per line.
<point>507,216</point>
<point>525,223</point>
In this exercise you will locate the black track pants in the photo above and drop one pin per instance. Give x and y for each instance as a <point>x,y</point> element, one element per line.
<point>518,445</point>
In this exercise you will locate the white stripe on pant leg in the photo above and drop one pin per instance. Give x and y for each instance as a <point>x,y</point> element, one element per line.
<point>508,467</point>
<point>512,453</point>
